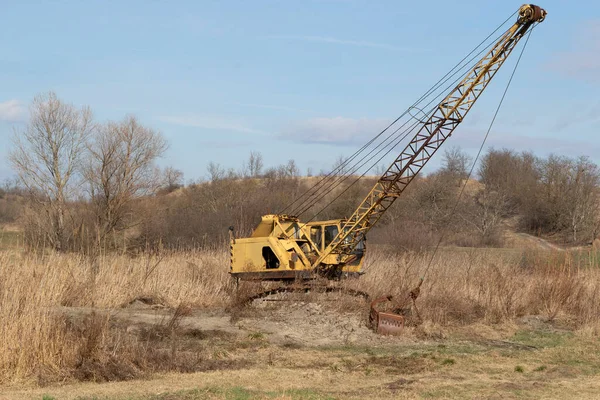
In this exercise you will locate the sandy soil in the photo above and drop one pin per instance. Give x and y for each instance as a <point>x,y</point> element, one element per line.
<point>310,350</point>
<point>280,322</point>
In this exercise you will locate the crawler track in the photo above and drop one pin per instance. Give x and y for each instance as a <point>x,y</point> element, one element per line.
<point>306,289</point>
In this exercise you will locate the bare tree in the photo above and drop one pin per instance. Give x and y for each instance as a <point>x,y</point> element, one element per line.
<point>291,169</point>
<point>173,179</point>
<point>254,166</point>
<point>379,169</point>
<point>596,227</point>
<point>456,163</point>
<point>484,212</point>
<point>215,171</point>
<point>47,157</point>
<point>121,169</point>
<point>516,177</point>
<point>340,166</point>
<point>580,198</point>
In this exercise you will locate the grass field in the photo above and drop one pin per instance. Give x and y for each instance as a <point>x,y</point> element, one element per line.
<point>10,239</point>
<point>525,364</point>
<point>495,324</point>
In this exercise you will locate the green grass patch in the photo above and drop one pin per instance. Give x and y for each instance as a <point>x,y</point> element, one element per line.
<point>256,336</point>
<point>448,361</point>
<point>541,339</point>
<point>230,393</point>
<point>10,240</point>
<point>586,257</point>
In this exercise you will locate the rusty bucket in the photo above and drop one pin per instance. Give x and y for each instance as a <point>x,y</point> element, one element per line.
<point>385,323</point>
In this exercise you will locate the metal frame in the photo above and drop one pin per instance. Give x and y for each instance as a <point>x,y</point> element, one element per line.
<point>434,132</point>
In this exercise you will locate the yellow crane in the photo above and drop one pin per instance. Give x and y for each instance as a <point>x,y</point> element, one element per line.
<point>284,248</point>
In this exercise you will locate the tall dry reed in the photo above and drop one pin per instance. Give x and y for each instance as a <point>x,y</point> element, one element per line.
<point>37,339</point>
<point>460,287</point>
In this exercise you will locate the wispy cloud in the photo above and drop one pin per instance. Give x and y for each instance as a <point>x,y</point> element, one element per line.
<point>583,115</point>
<point>471,139</point>
<point>272,107</point>
<point>210,122</point>
<point>214,144</point>
<point>345,42</point>
<point>12,111</point>
<point>583,61</point>
<point>336,130</point>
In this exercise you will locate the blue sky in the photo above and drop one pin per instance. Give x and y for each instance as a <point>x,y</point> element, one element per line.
<point>308,80</point>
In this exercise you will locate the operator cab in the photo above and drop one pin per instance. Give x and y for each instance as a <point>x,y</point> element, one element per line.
<point>322,234</point>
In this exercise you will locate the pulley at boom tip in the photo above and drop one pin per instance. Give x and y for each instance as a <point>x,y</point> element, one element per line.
<point>531,13</point>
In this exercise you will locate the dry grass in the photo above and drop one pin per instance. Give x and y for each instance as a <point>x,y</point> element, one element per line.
<point>492,286</point>
<point>443,370</point>
<point>461,288</point>
<point>38,342</point>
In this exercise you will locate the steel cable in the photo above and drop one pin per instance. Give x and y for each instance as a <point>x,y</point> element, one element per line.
<point>425,95</point>
<point>404,134</point>
<point>326,189</point>
<point>479,152</point>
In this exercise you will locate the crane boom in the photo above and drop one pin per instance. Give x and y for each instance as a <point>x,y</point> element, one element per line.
<point>433,133</point>
<point>281,247</point>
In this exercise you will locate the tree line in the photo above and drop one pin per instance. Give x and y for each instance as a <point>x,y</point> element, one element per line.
<point>82,177</point>
<point>84,186</point>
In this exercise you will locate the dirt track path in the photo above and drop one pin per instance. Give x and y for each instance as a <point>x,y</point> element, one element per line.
<point>293,323</point>
<point>525,240</point>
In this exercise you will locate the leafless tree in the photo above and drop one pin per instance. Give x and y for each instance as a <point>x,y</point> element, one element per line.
<point>340,166</point>
<point>173,179</point>
<point>516,177</point>
<point>47,157</point>
<point>456,163</point>
<point>571,188</point>
<point>121,169</point>
<point>596,229</point>
<point>379,169</point>
<point>217,172</point>
<point>291,169</point>
<point>253,167</point>
<point>484,212</point>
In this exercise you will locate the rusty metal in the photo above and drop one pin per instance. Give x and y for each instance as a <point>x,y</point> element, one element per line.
<point>392,323</point>
<point>385,323</point>
<point>439,126</point>
<point>532,12</point>
<point>303,288</point>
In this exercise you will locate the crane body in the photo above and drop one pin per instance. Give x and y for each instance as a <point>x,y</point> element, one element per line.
<point>283,248</point>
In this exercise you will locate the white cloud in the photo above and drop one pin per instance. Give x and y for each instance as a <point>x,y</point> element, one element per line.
<point>583,61</point>
<point>210,122</point>
<point>12,111</point>
<point>336,130</point>
<point>272,107</point>
<point>332,40</point>
<point>580,116</point>
<point>471,138</point>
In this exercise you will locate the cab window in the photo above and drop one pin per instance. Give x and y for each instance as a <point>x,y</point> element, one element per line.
<point>271,260</point>
<point>331,231</point>
<point>315,236</point>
